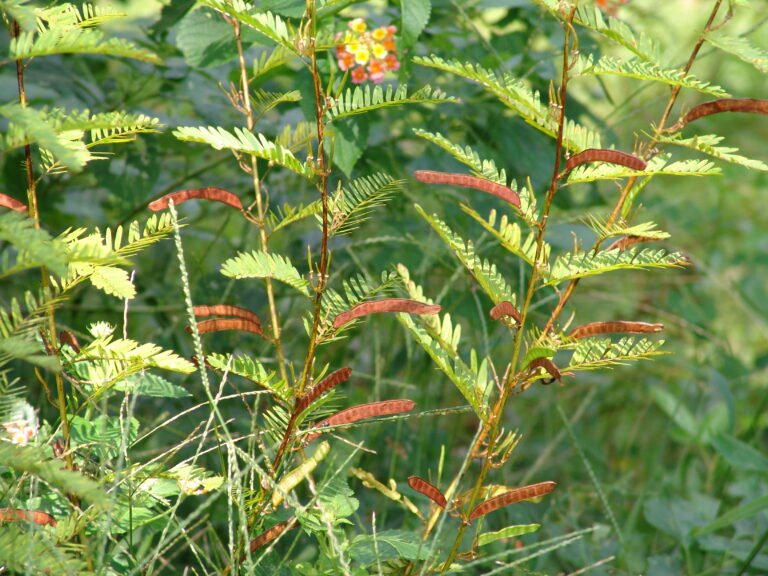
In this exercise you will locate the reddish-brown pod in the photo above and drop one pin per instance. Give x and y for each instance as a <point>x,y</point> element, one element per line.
<point>506,308</point>
<point>207,193</point>
<point>429,490</point>
<point>548,365</point>
<point>746,105</point>
<point>67,337</point>
<point>332,380</point>
<point>12,204</point>
<point>34,516</point>
<point>385,305</point>
<point>603,155</point>
<point>627,241</point>
<point>616,327</point>
<point>467,181</point>
<point>512,497</point>
<point>266,537</point>
<point>363,411</point>
<point>222,324</point>
<point>227,310</point>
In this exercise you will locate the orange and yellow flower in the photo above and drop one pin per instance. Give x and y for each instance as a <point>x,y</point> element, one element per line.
<point>368,54</point>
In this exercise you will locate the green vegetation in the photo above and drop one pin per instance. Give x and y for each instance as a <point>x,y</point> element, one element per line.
<point>332,287</point>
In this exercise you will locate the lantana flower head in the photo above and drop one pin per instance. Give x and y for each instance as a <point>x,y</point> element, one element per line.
<point>368,54</point>
<point>21,426</point>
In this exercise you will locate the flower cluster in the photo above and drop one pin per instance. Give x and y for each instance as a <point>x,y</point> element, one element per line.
<point>368,54</point>
<point>20,432</point>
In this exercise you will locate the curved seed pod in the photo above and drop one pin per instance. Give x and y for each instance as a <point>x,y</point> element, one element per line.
<point>749,105</point>
<point>227,310</point>
<point>67,337</point>
<point>626,241</point>
<point>221,324</point>
<point>266,537</point>
<point>506,308</point>
<point>12,204</point>
<point>385,305</point>
<point>429,490</point>
<point>207,193</point>
<point>363,411</point>
<point>466,181</point>
<point>19,515</point>
<point>619,326</point>
<point>548,365</point>
<point>333,379</point>
<point>603,155</point>
<point>511,497</point>
<point>299,474</point>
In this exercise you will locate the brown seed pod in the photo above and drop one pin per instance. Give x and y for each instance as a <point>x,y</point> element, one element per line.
<point>429,490</point>
<point>548,365</point>
<point>221,324</point>
<point>603,155</point>
<point>67,337</point>
<point>748,105</point>
<point>333,379</point>
<point>466,181</point>
<point>266,537</point>
<point>363,411</point>
<point>619,326</point>
<point>506,308</point>
<point>207,193</point>
<point>12,204</point>
<point>627,241</point>
<point>385,305</point>
<point>19,515</point>
<point>227,310</point>
<point>511,497</point>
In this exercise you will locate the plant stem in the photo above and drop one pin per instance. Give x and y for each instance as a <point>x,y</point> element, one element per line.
<point>34,214</point>
<point>647,152</point>
<point>263,238</point>
<point>323,170</point>
<point>494,421</point>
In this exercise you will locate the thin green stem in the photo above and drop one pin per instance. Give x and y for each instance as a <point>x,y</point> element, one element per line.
<point>496,417</point>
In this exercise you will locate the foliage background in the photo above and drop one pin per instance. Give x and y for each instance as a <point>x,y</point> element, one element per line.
<point>649,435</point>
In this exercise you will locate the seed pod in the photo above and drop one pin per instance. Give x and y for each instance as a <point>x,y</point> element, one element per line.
<point>227,310</point>
<point>506,308</point>
<point>12,204</point>
<point>603,155</point>
<point>429,490</point>
<point>67,337</point>
<point>466,181</point>
<point>207,193</point>
<point>619,326</point>
<point>34,516</point>
<point>512,497</point>
<point>385,305</point>
<point>266,537</point>
<point>626,241</point>
<point>363,411</point>
<point>548,365</point>
<point>299,474</point>
<point>221,324</point>
<point>333,379</point>
<point>749,105</point>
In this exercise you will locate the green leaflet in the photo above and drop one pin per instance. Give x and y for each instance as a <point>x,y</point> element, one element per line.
<point>258,264</point>
<point>594,353</point>
<point>246,142</point>
<point>741,48</point>
<point>486,274</point>
<point>708,144</point>
<point>579,265</point>
<point>362,99</point>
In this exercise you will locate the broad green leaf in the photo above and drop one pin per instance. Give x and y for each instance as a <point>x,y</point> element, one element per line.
<point>739,454</point>
<point>414,18</point>
<point>734,515</point>
<point>676,410</point>
<point>349,141</point>
<point>386,546</point>
<point>679,518</point>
